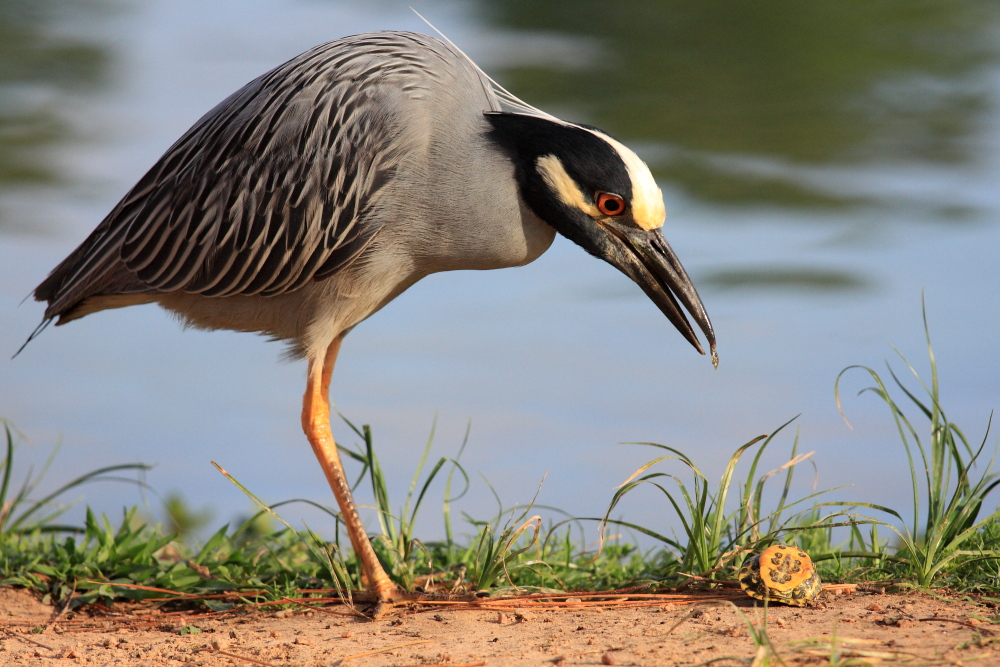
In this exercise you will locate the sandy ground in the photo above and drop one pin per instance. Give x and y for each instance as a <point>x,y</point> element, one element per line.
<point>911,629</point>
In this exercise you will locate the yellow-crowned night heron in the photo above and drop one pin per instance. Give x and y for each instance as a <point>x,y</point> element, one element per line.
<point>320,191</point>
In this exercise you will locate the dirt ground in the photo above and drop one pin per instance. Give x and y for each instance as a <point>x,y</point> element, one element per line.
<point>875,628</point>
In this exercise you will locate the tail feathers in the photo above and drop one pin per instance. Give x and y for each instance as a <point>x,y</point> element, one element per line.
<point>71,294</point>
<point>65,290</point>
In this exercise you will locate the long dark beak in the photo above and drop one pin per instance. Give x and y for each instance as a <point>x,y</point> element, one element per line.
<point>646,258</point>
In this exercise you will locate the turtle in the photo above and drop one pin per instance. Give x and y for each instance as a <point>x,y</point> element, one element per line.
<point>781,573</point>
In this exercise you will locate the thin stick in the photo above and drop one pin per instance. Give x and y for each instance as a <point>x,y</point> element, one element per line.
<point>29,640</point>
<point>984,631</point>
<point>238,657</point>
<point>841,587</point>
<point>141,588</point>
<point>382,650</point>
<point>65,606</point>
<point>320,609</point>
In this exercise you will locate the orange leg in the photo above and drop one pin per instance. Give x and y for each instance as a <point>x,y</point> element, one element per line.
<point>316,424</point>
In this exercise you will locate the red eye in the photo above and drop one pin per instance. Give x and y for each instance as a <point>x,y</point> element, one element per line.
<point>610,204</point>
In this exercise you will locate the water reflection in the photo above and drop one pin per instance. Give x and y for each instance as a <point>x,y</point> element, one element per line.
<point>772,278</point>
<point>814,83</point>
<point>806,135</point>
<point>39,66</point>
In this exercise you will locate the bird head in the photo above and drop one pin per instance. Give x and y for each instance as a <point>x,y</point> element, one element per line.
<point>599,194</point>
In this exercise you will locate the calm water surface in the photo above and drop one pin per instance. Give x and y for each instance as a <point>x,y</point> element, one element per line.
<point>822,165</point>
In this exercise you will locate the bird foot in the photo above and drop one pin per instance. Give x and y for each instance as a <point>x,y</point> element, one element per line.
<point>375,605</point>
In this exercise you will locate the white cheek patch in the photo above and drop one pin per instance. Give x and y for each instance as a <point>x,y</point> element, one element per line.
<point>565,188</point>
<point>647,200</point>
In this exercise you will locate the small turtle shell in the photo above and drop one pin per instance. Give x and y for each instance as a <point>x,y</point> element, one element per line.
<point>781,573</point>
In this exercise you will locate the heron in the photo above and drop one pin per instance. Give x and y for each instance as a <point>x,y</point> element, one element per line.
<point>320,191</point>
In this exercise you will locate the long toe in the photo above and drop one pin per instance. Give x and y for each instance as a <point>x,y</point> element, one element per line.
<point>381,603</point>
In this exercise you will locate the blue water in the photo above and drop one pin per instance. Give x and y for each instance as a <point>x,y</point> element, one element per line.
<point>553,364</point>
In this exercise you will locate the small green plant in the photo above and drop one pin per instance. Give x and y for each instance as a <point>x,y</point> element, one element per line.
<point>403,556</point>
<point>979,573</point>
<point>943,531</point>
<point>765,654</point>
<point>326,554</point>
<point>497,556</point>
<point>496,552</point>
<point>717,534</point>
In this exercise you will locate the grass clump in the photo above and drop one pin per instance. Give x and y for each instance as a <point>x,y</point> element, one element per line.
<point>950,539</point>
<point>716,535</point>
<point>403,556</point>
<point>948,530</point>
<point>510,551</point>
<point>97,561</point>
<point>135,559</point>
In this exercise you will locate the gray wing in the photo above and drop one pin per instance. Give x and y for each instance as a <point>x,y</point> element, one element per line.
<point>272,188</point>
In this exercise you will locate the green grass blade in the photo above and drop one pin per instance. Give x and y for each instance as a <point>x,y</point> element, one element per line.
<point>8,465</point>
